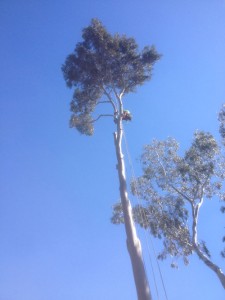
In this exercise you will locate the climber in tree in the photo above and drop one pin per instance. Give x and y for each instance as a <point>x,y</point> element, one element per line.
<point>126,115</point>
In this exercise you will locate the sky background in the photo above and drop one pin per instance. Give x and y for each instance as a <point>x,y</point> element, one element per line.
<point>57,186</point>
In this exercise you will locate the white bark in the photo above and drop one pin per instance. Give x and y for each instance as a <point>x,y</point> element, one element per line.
<point>133,243</point>
<point>197,249</point>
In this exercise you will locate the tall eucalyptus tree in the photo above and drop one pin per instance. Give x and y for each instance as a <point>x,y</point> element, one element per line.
<point>102,69</point>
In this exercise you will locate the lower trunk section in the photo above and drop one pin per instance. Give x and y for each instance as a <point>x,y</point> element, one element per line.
<point>142,286</point>
<point>133,243</point>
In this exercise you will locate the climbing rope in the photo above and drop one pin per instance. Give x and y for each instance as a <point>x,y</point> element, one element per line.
<point>144,219</point>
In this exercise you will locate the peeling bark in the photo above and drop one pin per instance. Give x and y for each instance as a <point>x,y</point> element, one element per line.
<point>133,243</point>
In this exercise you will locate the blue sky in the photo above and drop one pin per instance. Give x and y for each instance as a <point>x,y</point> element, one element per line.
<point>58,187</point>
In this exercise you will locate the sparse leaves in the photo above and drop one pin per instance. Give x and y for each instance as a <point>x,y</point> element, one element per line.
<point>222,122</point>
<point>83,123</point>
<point>117,217</point>
<point>222,134</point>
<point>171,183</point>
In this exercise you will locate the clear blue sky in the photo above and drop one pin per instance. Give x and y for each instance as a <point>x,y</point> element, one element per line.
<point>58,187</point>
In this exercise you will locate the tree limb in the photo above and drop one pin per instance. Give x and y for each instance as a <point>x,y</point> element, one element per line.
<point>101,102</point>
<point>201,255</point>
<point>122,93</point>
<point>172,186</point>
<point>182,194</point>
<point>100,116</point>
<point>110,99</point>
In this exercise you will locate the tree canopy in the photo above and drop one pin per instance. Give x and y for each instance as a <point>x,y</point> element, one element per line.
<point>102,68</point>
<point>174,188</point>
<point>172,184</point>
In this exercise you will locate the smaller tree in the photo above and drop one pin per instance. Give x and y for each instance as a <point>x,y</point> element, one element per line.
<point>174,189</point>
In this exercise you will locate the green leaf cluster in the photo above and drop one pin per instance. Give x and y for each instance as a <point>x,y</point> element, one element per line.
<point>172,184</point>
<point>100,64</point>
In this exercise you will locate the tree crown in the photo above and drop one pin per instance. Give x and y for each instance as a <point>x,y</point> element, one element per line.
<point>170,184</point>
<point>103,65</point>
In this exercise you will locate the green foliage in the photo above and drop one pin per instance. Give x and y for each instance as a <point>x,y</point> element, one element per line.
<point>83,123</point>
<point>101,64</point>
<point>222,134</point>
<point>170,184</point>
<point>222,122</point>
<point>117,217</point>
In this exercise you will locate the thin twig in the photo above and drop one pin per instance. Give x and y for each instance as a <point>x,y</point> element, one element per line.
<point>100,116</point>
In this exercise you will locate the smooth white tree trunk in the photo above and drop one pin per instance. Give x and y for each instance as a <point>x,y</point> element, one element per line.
<point>133,242</point>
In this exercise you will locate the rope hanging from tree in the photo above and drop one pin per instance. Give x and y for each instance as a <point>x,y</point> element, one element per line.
<point>144,219</point>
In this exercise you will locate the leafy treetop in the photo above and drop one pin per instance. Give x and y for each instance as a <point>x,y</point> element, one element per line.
<point>104,66</point>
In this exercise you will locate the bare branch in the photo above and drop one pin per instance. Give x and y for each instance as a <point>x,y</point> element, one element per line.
<point>116,94</point>
<point>195,213</point>
<point>181,193</point>
<point>119,98</point>
<point>100,102</point>
<point>172,186</point>
<point>110,99</point>
<point>100,116</point>
<point>122,93</point>
<point>164,170</point>
<point>202,188</point>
